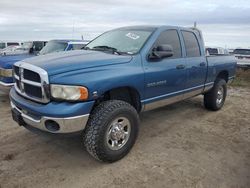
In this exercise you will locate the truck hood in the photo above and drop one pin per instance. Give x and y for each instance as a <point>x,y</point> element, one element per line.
<point>57,63</point>
<point>7,62</point>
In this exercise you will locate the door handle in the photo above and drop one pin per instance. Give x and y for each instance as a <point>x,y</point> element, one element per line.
<point>202,64</point>
<point>180,67</point>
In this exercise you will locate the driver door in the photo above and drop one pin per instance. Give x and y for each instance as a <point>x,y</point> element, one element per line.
<point>165,78</point>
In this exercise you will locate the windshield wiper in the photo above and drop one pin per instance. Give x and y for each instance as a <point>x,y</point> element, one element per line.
<point>85,48</point>
<point>105,48</point>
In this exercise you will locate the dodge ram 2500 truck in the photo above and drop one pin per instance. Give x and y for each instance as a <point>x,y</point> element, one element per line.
<point>100,91</point>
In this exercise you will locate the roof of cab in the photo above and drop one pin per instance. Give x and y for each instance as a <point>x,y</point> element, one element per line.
<point>69,41</point>
<point>153,27</point>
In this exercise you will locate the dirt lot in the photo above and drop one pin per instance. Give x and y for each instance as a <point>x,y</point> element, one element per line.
<point>182,145</point>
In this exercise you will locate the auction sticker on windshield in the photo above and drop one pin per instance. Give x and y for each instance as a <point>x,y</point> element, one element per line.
<point>133,36</point>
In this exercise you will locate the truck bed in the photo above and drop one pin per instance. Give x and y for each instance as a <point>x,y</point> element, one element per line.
<point>219,63</point>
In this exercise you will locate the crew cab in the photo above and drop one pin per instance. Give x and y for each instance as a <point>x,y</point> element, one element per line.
<point>31,49</point>
<point>100,91</point>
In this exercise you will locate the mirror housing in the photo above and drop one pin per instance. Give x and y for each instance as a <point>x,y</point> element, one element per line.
<point>162,51</point>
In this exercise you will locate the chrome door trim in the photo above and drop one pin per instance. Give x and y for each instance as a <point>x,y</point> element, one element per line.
<point>167,99</point>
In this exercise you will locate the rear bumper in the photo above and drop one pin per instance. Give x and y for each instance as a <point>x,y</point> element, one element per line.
<point>68,117</point>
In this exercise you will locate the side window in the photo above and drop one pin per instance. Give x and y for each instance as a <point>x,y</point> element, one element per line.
<point>77,46</point>
<point>191,44</point>
<point>170,37</point>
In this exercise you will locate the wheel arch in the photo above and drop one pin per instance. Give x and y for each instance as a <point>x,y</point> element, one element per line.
<point>223,75</point>
<point>125,93</point>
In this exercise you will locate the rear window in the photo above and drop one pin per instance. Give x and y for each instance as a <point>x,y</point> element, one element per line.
<point>242,51</point>
<point>191,44</point>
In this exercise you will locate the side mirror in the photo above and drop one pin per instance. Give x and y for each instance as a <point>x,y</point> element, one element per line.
<point>162,51</point>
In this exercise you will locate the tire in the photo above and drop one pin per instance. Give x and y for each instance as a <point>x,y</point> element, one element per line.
<point>215,98</point>
<point>100,138</point>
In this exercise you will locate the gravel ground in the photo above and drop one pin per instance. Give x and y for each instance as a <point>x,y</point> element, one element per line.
<point>181,145</point>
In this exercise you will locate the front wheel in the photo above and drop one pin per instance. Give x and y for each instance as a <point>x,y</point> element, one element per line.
<point>215,98</point>
<point>111,130</point>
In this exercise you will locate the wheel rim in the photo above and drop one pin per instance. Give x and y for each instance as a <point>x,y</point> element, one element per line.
<point>220,95</point>
<point>118,133</point>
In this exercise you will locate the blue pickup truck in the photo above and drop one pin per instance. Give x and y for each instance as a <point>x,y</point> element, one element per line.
<point>6,62</point>
<point>100,91</point>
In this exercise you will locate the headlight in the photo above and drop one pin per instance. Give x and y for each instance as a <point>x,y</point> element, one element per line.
<point>6,72</point>
<point>71,93</point>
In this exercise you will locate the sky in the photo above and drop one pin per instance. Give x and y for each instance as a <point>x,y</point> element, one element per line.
<point>224,23</point>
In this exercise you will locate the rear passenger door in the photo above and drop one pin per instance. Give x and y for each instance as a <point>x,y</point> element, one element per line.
<point>196,65</point>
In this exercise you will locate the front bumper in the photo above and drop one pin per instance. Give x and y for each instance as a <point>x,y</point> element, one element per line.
<point>66,125</point>
<point>6,81</point>
<point>5,87</point>
<point>69,117</point>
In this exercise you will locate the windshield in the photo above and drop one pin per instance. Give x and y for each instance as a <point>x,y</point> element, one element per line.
<point>53,46</point>
<point>242,51</point>
<point>128,41</point>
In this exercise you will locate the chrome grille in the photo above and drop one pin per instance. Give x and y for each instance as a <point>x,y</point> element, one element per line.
<point>30,81</point>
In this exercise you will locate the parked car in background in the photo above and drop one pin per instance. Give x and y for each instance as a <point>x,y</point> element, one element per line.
<point>6,62</point>
<point>6,44</point>
<point>32,47</point>
<point>13,50</point>
<point>243,57</point>
<point>99,91</point>
<point>62,45</point>
<point>216,51</point>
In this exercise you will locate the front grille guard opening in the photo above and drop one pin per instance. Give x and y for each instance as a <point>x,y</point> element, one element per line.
<point>31,81</point>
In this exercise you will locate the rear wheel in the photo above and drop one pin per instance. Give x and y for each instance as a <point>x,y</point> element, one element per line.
<point>215,98</point>
<point>111,130</point>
